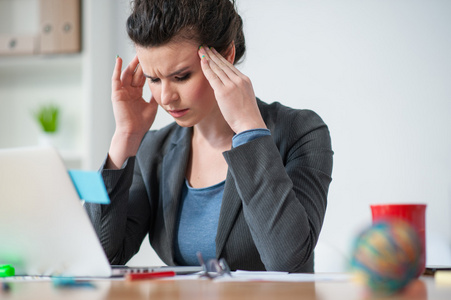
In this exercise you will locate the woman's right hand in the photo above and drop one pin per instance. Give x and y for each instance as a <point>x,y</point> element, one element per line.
<point>133,115</point>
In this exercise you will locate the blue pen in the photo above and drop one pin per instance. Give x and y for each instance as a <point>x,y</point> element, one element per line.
<point>69,282</point>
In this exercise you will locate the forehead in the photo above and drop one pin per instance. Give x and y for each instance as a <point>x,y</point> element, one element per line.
<point>165,59</point>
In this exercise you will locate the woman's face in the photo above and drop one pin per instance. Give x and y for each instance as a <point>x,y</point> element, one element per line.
<point>177,82</point>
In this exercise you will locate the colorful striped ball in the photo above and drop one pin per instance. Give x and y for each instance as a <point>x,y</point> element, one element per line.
<point>386,256</point>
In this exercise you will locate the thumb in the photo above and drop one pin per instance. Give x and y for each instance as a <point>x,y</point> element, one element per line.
<point>151,108</point>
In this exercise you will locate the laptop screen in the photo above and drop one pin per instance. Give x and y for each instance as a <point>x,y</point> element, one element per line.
<point>44,229</point>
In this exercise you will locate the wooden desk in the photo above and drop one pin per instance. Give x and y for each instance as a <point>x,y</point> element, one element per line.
<point>424,288</point>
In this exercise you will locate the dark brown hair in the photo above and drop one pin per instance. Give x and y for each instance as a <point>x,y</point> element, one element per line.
<point>214,23</point>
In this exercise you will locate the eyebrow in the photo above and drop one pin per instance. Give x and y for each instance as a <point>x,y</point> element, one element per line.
<point>172,74</point>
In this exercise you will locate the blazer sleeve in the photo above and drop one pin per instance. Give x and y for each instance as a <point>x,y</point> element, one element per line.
<point>284,189</point>
<point>122,225</point>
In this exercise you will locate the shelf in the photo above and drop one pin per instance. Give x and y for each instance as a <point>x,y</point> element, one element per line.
<point>27,62</point>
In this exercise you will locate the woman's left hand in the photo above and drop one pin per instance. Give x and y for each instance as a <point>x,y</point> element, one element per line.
<point>233,91</point>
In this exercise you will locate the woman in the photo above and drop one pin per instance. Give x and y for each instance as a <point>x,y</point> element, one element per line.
<point>232,177</point>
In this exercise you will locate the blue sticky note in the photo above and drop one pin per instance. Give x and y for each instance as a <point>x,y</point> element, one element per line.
<point>90,186</point>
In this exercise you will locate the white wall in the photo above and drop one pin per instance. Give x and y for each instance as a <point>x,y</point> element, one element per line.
<point>379,74</point>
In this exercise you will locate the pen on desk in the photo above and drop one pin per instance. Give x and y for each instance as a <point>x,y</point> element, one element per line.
<point>149,275</point>
<point>70,282</point>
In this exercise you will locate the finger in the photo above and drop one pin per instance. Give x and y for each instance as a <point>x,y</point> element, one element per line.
<point>234,74</point>
<point>222,63</point>
<point>214,67</point>
<point>116,78</point>
<point>229,64</point>
<point>211,76</point>
<point>138,77</point>
<point>221,60</point>
<point>127,74</point>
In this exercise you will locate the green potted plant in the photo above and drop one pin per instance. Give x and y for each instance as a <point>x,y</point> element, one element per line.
<point>47,116</point>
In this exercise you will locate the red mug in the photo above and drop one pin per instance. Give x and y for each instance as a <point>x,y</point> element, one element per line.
<point>414,214</point>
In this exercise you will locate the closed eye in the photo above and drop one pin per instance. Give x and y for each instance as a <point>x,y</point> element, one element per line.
<point>153,80</point>
<point>184,77</point>
<point>177,78</point>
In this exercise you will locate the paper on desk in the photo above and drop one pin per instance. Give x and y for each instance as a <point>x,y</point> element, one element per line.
<point>283,276</point>
<point>443,278</point>
<point>90,186</point>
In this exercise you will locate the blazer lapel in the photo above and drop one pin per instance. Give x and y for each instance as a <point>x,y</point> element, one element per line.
<point>231,205</point>
<point>173,176</point>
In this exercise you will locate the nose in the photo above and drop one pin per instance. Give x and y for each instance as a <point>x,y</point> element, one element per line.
<point>168,93</point>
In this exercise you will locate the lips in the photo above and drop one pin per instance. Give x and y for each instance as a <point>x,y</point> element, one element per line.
<point>178,113</point>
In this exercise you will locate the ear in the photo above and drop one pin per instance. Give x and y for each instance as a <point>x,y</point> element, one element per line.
<point>230,54</point>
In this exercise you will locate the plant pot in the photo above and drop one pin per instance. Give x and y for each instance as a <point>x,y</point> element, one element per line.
<point>47,139</point>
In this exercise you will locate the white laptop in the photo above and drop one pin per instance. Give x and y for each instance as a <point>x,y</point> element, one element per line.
<point>44,229</point>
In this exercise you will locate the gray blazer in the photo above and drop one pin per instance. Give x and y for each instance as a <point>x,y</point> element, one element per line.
<point>274,199</point>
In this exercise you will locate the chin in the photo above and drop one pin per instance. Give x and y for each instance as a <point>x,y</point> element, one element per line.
<point>184,123</point>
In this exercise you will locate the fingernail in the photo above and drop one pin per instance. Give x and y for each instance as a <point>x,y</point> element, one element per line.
<point>202,51</point>
<point>117,55</point>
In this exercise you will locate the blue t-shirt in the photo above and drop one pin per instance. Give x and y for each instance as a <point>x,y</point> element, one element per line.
<point>197,222</point>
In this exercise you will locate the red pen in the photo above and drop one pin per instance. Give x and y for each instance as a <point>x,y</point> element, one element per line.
<point>149,275</point>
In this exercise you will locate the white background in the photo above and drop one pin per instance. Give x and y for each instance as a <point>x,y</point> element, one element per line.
<point>379,74</point>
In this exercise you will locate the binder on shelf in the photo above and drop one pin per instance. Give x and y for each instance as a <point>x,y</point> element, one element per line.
<point>48,23</point>
<point>59,26</point>
<point>11,44</point>
<point>70,26</point>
